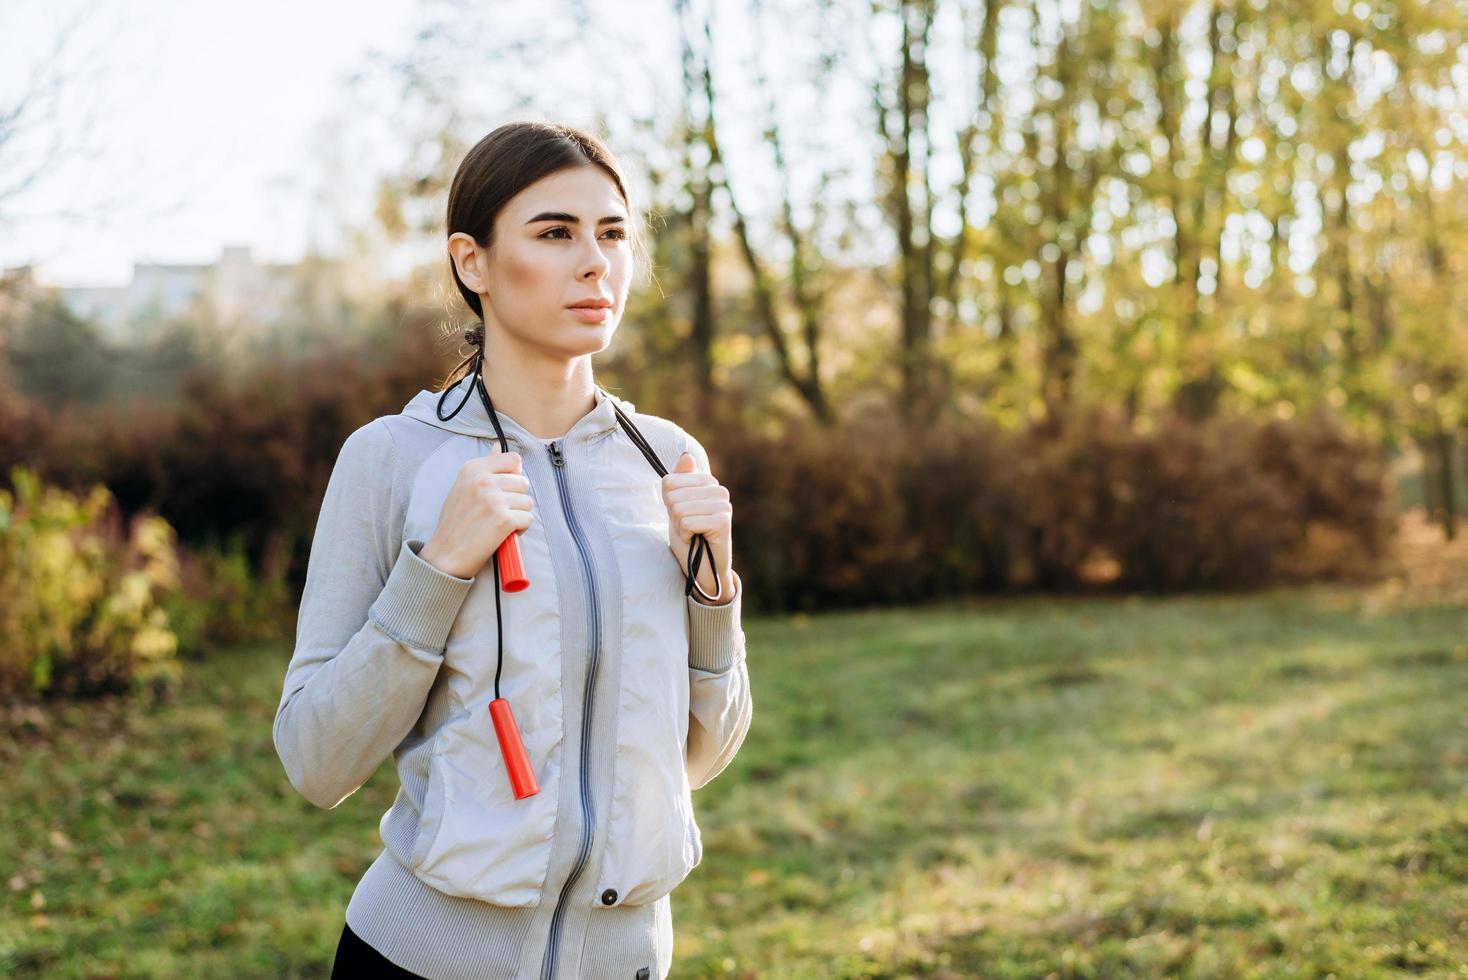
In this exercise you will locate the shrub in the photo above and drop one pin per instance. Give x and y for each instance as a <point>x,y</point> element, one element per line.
<point>864,513</point>
<point>815,518</point>
<point>225,600</point>
<point>1341,491</point>
<point>79,598</point>
<point>1070,477</point>
<point>1193,508</point>
<point>963,508</point>
<point>855,514</point>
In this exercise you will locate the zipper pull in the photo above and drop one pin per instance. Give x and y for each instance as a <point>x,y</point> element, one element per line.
<point>556,457</point>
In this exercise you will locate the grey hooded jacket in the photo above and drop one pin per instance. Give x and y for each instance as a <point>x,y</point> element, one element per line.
<point>628,695</point>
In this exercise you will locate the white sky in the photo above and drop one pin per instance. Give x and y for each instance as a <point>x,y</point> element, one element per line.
<point>208,124</point>
<point>204,109</point>
<point>205,124</point>
<point>214,124</point>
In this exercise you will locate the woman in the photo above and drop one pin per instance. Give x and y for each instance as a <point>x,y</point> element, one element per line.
<point>623,659</point>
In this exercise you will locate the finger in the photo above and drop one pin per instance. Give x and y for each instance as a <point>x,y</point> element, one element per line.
<point>705,523</point>
<point>508,458</point>
<point>711,491</point>
<point>724,515</point>
<point>512,482</point>
<point>686,463</point>
<point>677,481</point>
<point>501,462</point>
<point>702,505</point>
<point>520,501</point>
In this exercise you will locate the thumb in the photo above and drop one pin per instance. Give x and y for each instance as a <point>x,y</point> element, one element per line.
<point>686,463</point>
<point>503,459</point>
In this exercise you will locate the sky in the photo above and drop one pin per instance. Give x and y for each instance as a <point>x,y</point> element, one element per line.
<point>189,125</point>
<point>198,125</point>
<point>203,124</point>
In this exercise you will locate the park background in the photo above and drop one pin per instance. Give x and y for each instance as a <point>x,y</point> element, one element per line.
<point>1090,379</point>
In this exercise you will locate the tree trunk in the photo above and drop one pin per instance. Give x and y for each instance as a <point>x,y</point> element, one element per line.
<point>807,385</point>
<point>915,272</point>
<point>1443,444</point>
<point>700,192</point>
<point>1429,481</point>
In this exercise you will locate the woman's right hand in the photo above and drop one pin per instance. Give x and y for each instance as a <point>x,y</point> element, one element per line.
<point>489,501</point>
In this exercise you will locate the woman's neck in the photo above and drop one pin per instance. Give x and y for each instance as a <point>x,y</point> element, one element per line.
<point>547,399</point>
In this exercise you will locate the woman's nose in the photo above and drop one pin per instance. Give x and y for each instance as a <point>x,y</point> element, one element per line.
<point>595,264</point>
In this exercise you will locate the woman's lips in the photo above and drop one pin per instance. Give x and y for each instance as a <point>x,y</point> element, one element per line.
<point>591,314</point>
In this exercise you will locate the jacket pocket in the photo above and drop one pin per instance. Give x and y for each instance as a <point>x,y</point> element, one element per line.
<point>431,813</point>
<point>653,840</point>
<point>475,840</point>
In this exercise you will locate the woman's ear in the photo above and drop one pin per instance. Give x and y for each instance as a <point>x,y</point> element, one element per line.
<point>468,259</point>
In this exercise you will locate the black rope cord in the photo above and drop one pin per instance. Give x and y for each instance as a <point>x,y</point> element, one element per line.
<point>698,547</point>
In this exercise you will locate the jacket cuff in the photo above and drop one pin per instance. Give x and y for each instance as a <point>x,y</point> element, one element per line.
<point>419,602</point>
<point>715,636</point>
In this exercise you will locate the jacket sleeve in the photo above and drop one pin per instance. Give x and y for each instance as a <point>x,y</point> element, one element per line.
<point>719,706</point>
<point>370,634</point>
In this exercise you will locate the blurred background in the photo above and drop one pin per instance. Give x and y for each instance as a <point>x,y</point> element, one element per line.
<point>1090,379</point>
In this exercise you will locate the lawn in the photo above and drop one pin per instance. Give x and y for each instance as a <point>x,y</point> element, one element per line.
<point>1264,785</point>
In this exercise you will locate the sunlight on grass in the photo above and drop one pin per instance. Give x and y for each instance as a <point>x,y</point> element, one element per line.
<point>1199,786</point>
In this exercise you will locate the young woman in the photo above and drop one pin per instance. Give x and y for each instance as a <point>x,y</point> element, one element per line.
<point>542,841</point>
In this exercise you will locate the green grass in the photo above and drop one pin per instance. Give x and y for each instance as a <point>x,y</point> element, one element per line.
<point>1267,786</point>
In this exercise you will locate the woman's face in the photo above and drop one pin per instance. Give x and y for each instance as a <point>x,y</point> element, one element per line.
<point>564,239</point>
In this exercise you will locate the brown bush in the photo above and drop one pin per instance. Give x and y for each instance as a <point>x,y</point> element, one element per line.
<point>963,506</point>
<point>1070,478</point>
<point>1344,497</point>
<point>862,513</point>
<point>820,519</point>
<point>859,513</point>
<point>243,456</point>
<point>1193,510</point>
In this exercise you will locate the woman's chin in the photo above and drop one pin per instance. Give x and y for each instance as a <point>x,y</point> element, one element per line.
<point>591,339</point>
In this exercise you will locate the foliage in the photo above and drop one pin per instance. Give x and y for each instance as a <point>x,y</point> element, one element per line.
<point>57,356</point>
<point>240,454</point>
<point>225,599</point>
<point>863,514</point>
<point>80,599</point>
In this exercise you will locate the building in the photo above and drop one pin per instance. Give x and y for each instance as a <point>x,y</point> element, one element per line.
<point>234,290</point>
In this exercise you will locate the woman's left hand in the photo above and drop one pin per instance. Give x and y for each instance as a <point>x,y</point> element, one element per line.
<point>698,504</point>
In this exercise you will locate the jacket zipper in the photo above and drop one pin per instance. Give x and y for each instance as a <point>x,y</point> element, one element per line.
<point>548,964</point>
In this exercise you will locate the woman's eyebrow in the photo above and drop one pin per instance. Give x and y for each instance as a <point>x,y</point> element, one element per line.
<point>563,216</point>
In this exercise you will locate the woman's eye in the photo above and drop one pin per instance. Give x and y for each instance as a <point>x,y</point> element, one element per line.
<point>616,233</point>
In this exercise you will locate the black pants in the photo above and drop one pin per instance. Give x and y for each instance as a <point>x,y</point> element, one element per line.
<point>354,958</point>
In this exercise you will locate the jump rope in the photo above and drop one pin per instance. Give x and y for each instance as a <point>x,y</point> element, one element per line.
<point>507,564</point>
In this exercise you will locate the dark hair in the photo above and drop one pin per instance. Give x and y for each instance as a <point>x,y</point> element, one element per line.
<point>500,166</point>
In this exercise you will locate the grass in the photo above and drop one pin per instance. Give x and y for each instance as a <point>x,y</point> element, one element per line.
<point>1268,785</point>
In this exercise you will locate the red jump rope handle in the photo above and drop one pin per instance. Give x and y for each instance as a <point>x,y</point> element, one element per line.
<point>512,569</point>
<point>512,747</point>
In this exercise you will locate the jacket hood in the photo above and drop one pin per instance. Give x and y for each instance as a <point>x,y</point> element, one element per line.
<point>472,420</point>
